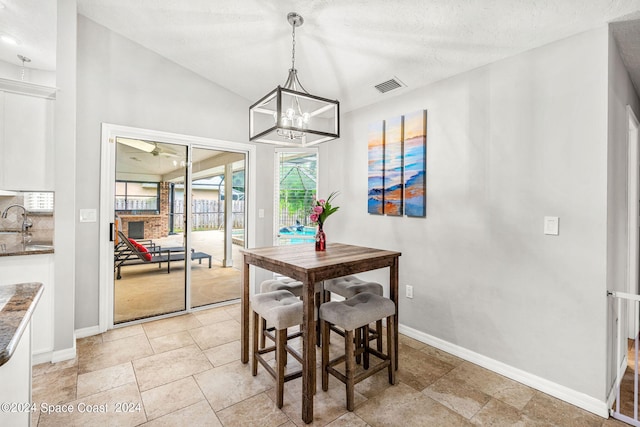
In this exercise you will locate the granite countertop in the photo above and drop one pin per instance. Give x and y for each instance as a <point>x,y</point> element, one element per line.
<point>31,243</point>
<point>17,304</point>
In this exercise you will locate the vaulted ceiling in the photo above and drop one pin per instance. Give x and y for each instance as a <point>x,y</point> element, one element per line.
<point>343,49</point>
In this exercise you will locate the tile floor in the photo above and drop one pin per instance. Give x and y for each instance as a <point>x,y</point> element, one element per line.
<point>185,371</point>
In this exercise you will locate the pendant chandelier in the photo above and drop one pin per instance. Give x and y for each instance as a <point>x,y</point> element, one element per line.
<point>291,116</point>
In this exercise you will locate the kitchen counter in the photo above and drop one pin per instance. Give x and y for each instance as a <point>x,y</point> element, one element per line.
<point>32,243</point>
<point>17,303</point>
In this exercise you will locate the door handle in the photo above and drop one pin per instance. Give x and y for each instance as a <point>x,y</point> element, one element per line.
<point>112,236</point>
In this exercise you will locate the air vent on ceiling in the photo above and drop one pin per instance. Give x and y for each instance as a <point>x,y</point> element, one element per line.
<point>389,85</point>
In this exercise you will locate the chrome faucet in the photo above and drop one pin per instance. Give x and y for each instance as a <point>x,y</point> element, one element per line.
<point>26,222</point>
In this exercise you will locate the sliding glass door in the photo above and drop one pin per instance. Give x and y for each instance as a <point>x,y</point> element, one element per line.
<point>179,225</point>
<point>217,225</point>
<point>149,261</point>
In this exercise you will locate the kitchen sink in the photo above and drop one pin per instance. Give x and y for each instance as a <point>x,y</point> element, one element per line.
<point>29,247</point>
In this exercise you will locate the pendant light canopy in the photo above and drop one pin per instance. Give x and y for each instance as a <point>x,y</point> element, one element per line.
<point>291,116</point>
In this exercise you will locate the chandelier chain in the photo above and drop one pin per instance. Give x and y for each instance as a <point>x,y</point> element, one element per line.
<point>293,47</point>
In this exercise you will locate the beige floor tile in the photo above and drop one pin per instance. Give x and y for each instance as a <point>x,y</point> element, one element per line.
<point>348,420</point>
<point>515,394</point>
<point>232,383</point>
<point>482,379</point>
<point>93,339</point>
<point>170,325</point>
<point>234,310</point>
<point>403,406</point>
<point>171,341</point>
<point>47,368</point>
<point>106,354</point>
<point>442,355</point>
<point>35,417</point>
<point>199,414</point>
<point>374,385</point>
<point>216,334</point>
<point>124,332</point>
<point>554,411</point>
<point>105,379</point>
<point>163,368</point>
<point>458,396</point>
<point>419,370</point>
<point>182,384</point>
<point>499,414</point>
<point>410,342</point>
<point>57,386</point>
<point>327,406</point>
<point>214,315</point>
<point>101,409</point>
<point>171,397</point>
<point>258,410</point>
<point>223,354</point>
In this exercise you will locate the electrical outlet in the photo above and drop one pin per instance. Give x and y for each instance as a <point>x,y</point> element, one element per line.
<point>409,291</point>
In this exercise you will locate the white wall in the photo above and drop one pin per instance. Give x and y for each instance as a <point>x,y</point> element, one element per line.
<point>120,82</point>
<point>507,144</point>
<point>64,176</point>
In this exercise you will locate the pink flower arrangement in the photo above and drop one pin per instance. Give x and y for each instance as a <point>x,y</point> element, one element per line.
<point>321,209</point>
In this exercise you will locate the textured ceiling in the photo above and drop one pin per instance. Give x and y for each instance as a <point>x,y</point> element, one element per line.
<point>33,24</point>
<point>344,48</point>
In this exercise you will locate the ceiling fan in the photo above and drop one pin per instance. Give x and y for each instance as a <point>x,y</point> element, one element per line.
<point>153,148</point>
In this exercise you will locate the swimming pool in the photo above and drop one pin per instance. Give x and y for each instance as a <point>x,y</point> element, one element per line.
<point>293,235</point>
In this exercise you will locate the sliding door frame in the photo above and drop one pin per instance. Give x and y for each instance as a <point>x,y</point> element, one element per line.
<point>107,178</point>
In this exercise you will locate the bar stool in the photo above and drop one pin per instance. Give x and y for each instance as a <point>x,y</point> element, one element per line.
<point>283,310</point>
<point>352,314</point>
<point>295,287</point>
<point>349,286</point>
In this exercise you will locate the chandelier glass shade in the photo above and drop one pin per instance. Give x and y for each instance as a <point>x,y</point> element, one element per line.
<point>289,115</point>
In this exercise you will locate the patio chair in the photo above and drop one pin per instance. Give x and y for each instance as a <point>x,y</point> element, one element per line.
<point>128,253</point>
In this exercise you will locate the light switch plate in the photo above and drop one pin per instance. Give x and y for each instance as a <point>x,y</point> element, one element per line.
<point>260,213</point>
<point>88,215</point>
<point>551,225</point>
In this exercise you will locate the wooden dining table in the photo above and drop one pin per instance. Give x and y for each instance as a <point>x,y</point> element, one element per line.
<point>302,262</point>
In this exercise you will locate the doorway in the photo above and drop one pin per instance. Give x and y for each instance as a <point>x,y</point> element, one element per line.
<point>633,206</point>
<point>171,192</point>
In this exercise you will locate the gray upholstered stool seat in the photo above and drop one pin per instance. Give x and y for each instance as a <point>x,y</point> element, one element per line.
<point>286,284</point>
<point>352,314</point>
<point>293,286</point>
<point>281,309</point>
<point>283,283</point>
<point>349,286</point>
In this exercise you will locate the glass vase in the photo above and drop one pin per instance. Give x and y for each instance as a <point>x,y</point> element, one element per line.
<point>321,239</point>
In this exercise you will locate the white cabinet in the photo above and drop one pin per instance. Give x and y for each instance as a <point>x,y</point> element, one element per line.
<point>16,380</point>
<point>26,136</point>
<point>34,268</point>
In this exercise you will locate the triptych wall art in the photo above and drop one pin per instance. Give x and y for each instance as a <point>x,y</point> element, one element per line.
<point>398,166</point>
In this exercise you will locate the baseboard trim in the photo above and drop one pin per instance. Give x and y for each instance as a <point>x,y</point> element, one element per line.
<point>87,332</point>
<point>42,357</point>
<point>561,392</point>
<point>65,354</point>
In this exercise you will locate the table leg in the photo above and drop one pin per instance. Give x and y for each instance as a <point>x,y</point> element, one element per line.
<point>393,294</point>
<point>244,329</point>
<point>308,350</point>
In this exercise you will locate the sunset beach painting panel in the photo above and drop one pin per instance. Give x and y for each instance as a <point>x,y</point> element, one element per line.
<point>393,165</point>
<point>376,168</point>
<point>415,163</point>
